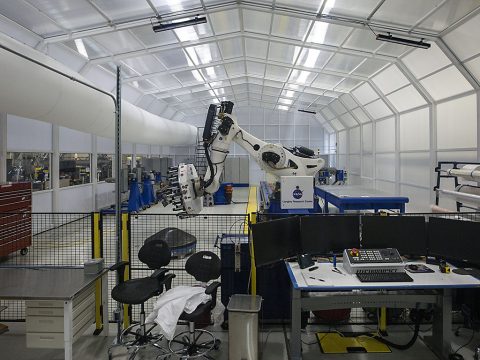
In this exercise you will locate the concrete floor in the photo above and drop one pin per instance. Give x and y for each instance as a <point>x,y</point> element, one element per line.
<point>272,346</point>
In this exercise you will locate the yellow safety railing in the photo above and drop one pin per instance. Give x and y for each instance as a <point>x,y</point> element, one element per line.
<point>126,257</point>
<point>98,253</point>
<point>252,208</point>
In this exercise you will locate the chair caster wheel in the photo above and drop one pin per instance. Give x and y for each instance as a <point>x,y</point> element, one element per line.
<point>24,251</point>
<point>216,344</point>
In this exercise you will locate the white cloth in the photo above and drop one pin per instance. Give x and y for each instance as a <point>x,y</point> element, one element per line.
<point>170,305</point>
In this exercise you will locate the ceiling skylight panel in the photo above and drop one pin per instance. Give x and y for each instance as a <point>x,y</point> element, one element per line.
<point>343,63</point>
<point>81,48</point>
<point>164,81</point>
<point>118,42</point>
<point>347,84</point>
<point>213,73</point>
<point>189,77</point>
<point>328,34</point>
<point>268,90</point>
<point>338,107</point>
<point>285,101</point>
<point>255,69</point>
<point>283,107</point>
<point>327,113</point>
<point>283,52</point>
<point>150,38</point>
<point>173,58</point>
<point>278,73</point>
<point>395,50</point>
<point>348,120</point>
<point>369,67</point>
<point>361,115</point>
<point>224,22</point>
<point>349,102</point>
<point>204,54</point>
<point>235,68</point>
<point>406,98</point>
<point>363,40</point>
<point>313,58</point>
<point>256,48</point>
<point>231,48</point>
<point>365,94</point>
<point>464,39</point>
<point>146,64</point>
<point>448,14</point>
<point>390,79</point>
<point>337,125</point>
<point>302,77</point>
<point>325,81</point>
<point>395,11</point>
<point>289,27</point>
<point>378,109</point>
<point>256,21</point>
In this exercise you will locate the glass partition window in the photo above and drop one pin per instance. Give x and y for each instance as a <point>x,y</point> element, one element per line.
<point>74,169</point>
<point>104,167</point>
<point>30,167</point>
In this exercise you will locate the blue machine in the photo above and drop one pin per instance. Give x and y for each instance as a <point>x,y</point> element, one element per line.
<point>135,202</point>
<point>148,196</point>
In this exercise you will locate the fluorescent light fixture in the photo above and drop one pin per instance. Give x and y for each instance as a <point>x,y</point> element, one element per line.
<point>402,41</point>
<point>282,107</point>
<point>285,101</point>
<point>81,47</point>
<point>197,76</point>
<point>163,26</point>
<point>312,56</point>
<point>186,34</point>
<point>288,93</point>
<point>307,111</point>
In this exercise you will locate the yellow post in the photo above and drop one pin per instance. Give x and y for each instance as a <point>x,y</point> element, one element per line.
<point>252,215</point>
<point>382,327</point>
<point>98,253</point>
<point>126,257</point>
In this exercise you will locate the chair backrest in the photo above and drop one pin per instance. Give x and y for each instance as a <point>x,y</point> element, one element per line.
<point>203,266</point>
<point>155,254</point>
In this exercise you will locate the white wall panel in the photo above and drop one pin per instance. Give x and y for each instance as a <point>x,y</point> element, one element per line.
<point>355,164</point>
<point>342,162</point>
<point>406,98</point>
<point>415,130</point>
<point>446,83</point>
<point>385,167</point>
<point>365,94</point>
<point>386,186</point>
<point>367,138</point>
<point>457,156</point>
<point>422,62</point>
<point>28,135</point>
<point>355,140</point>
<point>385,135</point>
<point>464,39</point>
<point>390,79</point>
<point>74,141</point>
<point>258,131</point>
<point>287,132</point>
<point>419,199</point>
<point>75,198</point>
<point>105,145</point>
<point>361,115</point>
<point>127,148</point>
<point>348,120</point>
<point>457,123</point>
<point>415,168</point>
<point>155,149</point>
<point>378,109</point>
<point>301,133</point>
<point>42,201</point>
<point>105,195</point>
<point>337,125</point>
<point>342,142</point>
<point>367,166</point>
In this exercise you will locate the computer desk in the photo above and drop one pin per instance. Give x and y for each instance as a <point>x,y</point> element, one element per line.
<point>56,291</point>
<point>339,291</point>
<point>350,197</point>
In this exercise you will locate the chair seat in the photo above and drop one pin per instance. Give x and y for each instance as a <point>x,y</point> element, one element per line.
<point>136,291</point>
<point>200,312</point>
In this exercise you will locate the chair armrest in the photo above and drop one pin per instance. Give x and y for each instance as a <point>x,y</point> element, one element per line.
<point>212,288</point>
<point>119,266</point>
<point>158,274</point>
<point>167,281</point>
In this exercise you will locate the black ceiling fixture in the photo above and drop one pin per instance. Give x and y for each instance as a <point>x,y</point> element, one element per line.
<point>402,41</point>
<point>159,25</point>
<point>307,111</point>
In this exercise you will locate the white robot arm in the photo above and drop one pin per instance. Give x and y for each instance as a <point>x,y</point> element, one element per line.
<point>186,189</point>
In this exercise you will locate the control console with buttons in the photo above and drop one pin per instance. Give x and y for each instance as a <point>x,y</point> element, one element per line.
<point>372,260</point>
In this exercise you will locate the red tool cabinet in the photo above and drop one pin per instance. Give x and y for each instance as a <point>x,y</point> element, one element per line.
<point>15,218</point>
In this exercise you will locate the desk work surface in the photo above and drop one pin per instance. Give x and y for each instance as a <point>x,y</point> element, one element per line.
<point>333,281</point>
<point>44,283</point>
<point>352,191</point>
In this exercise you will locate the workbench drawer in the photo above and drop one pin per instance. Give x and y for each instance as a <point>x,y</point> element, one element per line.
<point>45,341</point>
<point>44,324</point>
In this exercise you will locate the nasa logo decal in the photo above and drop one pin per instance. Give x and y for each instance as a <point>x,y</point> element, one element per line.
<point>297,193</point>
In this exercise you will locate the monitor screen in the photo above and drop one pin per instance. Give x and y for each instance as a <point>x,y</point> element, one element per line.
<point>408,234</point>
<point>324,234</point>
<point>276,240</point>
<point>454,239</point>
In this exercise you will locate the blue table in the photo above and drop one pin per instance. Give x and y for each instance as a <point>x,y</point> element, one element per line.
<point>349,197</point>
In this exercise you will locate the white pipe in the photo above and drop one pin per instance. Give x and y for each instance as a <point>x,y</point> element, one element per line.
<point>467,172</point>
<point>461,197</point>
<point>31,91</point>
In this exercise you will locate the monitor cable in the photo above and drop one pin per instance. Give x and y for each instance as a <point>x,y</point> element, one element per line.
<point>456,355</point>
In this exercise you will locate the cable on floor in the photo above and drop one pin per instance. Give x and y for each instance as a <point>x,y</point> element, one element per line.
<point>456,355</point>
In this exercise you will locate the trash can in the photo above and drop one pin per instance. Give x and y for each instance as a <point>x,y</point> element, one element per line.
<point>243,326</point>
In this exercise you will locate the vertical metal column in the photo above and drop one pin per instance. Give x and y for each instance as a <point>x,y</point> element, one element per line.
<point>118,193</point>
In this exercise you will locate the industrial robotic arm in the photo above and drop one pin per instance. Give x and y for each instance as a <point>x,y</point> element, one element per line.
<point>221,129</point>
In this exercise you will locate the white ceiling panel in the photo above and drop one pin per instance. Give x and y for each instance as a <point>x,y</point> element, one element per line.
<point>343,63</point>
<point>378,109</point>
<point>338,107</point>
<point>396,11</point>
<point>464,39</point>
<point>268,90</point>
<point>231,48</point>
<point>173,58</point>
<point>204,54</point>
<point>365,93</point>
<point>349,102</point>
<point>274,72</point>
<point>214,73</point>
<point>164,81</point>
<point>313,58</point>
<point>309,5</point>
<point>189,77</point>
<point>435,84</point>
<point>363,40</point>
<point>224,22</point>
<point>360,9</point>
<point>256,48</point>
<point>255,69</point>
<point>361,115</point>
<point>369,67</point>
<point>406,98</point>
<point>448,14</point>
<point>236,68</point>
<point>390,79</point>
<point>289,27</point>
<point>394,50</point>
<point>146,64</point>
<point>348,120</point>
<point>328,34</point>
<point>283,53</point>
<point>324,81</point>
<point>118,9</point>
<point>150,38</point>
<point>93,49</point>
<point>256,21</point>
<point>302,77</point>
<point>347,84</point>
<point>118,42</point>
<point>422,63</point>
<point>173,6</point>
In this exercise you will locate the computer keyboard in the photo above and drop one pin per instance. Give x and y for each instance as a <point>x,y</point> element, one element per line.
<point>384,277</point>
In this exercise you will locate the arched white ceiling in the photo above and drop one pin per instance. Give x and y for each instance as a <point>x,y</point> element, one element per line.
<point>280,54</point>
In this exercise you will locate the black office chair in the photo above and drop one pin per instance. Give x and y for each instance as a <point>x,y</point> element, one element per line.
<point>196,343</point>
<point>156,255</point>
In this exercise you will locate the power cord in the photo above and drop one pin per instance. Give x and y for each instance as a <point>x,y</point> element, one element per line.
<point>456,355</point>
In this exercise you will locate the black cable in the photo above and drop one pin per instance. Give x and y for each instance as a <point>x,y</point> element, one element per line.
<point>455,355</point>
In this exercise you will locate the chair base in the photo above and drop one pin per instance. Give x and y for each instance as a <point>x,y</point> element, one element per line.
<point>136,337</point>
<point>192,345</point>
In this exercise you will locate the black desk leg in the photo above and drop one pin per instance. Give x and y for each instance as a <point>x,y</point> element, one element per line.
<point>440,341</point>
<point>295,335</point>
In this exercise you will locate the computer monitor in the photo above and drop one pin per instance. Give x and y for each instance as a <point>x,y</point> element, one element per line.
<point>326,234</point>
<point>453,239</point>
<point>276,240</point>
<point>408,234</point>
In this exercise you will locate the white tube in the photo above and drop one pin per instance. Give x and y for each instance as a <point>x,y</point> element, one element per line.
<point>467,172</point>
<point>31,91</point>
<point>461,197</point>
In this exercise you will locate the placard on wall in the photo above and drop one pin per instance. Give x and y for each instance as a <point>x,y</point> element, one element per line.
<point>296,192</point>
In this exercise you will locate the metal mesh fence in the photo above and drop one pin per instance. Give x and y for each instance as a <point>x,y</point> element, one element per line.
<point>57,240</point>
<point>185,236</point>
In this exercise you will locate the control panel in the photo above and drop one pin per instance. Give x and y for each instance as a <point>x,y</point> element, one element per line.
<point>372,260</point>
